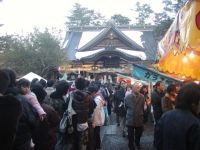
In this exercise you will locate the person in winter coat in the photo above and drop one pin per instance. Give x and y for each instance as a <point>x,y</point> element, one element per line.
<point>147,103</point>
<point>179,129</point>
<point>156,99</point>
<point>98,119</point>
<point>44,136</point>
<point>24,87</point>
<point>80,104</point>
<point>168,101</point>
<point>134,104</point>
<point>119,103</point>
<point>10,112</point>
<point>28,119</point>
<point>58,98</point>
<point>92,90</point>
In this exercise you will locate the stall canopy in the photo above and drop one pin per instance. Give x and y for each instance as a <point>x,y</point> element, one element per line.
<point>30,76</point>
<point>180,47</point>
<point>150,75</point>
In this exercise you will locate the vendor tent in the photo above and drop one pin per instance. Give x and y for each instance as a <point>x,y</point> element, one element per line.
<point>180,47</point>
<point>30,76</point>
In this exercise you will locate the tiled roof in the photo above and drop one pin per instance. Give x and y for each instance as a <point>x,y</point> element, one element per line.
<point>137,40</point>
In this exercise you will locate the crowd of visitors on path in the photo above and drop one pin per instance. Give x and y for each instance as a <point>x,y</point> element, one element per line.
<point>57,115</point>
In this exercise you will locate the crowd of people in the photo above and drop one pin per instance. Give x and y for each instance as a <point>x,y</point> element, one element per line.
<point>57,115</point>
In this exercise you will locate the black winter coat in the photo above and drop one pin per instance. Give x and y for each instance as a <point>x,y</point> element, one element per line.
<point>178,130</point>
<point>119,98</point>
<point>10,112</point>
<point>156,99</point>
<point>27,122</point>
<point>44,135</point>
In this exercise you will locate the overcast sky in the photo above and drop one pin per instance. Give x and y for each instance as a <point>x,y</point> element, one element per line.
<point>22,15</point>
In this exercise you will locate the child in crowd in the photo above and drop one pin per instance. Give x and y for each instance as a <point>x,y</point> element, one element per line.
<point>24,86</point>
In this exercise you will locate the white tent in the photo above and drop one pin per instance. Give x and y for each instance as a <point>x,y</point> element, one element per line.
<point>30,76</point>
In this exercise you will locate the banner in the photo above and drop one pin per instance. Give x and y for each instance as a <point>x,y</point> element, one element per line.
<point>184,33</point>
<point>149,75</point>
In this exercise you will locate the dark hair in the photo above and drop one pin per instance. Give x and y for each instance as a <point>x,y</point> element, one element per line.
<point>92,89</point>
<point>4,81</point>
<point>158,83</point>
<point>189,94</point>
<point>12,77</point>
<point>39,91</point>
<point>171,88</point>
<point>142,89</point>
<point>62,87</point>
<point>80,83</point>
<point>34,81</point>
<point>23,83</point>
<point>43,83</point>
<point>87,83</point>
<point>50,83</point>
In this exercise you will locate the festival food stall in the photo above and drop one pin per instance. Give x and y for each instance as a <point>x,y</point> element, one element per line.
<point>180,48</point>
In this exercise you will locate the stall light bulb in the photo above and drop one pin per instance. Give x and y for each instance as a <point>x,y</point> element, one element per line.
<point>183,77</point>
<point>185,59</point>
<point>191,55</point>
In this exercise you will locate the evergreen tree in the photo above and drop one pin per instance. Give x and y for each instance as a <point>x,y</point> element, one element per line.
<point>164,19</point>
<point>144,12</point>
<point>120,20</point>
<point>82,16</point>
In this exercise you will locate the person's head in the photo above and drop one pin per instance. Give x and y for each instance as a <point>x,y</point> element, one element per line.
<point>80,83</point>
<point>39,92</point>
<point>178,87</point>
<point>123,83</point>
<point>93,90</point>
<point>23,86</point>
<point>144,89</point>
<point>12,77</point>
<point>136,88</point>
<point>4,81</point>
<point>34,81</point>
<point>62,87</point>
<point>160,87</point>
<point>43,83</point>
<point>50,83</point>
<point>188,98</point>
<point>171,89</point>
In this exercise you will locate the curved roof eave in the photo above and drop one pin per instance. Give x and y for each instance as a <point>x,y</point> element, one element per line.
<point>116,52</point>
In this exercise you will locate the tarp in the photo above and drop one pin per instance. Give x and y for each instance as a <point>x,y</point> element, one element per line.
<point>30,76</point>
<point>150,75</point>
<point>180,47</point>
